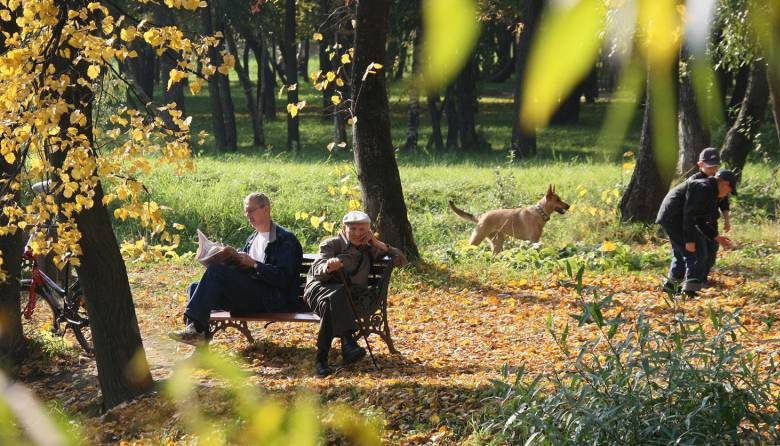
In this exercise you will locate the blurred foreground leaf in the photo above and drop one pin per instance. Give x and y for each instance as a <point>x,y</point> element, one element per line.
<point>451,30</point>
<point>562,54</point>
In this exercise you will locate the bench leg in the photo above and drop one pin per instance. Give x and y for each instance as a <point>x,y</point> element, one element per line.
<point>241,326</point>
<point>377,324</point>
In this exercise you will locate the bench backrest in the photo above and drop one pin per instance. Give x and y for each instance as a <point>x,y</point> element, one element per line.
<point>378,278</point>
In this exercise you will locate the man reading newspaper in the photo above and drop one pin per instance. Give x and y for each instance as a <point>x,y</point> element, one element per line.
<point>262,277</point>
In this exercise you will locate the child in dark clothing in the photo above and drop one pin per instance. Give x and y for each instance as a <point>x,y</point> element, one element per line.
<point>709,162</point>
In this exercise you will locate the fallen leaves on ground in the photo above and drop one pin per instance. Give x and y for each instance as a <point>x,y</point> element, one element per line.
<point>452,341</point>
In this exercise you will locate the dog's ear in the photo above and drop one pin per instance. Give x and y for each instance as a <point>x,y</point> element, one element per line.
<point>550,190</point>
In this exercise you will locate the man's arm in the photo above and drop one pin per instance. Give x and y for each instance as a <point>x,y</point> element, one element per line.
<point>319,269</point>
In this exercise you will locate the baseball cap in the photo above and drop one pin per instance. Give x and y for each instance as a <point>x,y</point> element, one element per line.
<point>729,176</point>
<point>356,217</point>
<point>710,157</point>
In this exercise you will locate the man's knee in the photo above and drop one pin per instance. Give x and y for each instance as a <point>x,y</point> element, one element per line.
<point>216,271</point>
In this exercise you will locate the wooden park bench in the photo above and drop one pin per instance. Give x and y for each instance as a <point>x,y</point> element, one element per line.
<point>375,323</point>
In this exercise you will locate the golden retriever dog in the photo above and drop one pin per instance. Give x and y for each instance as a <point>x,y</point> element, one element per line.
<point>522,223</point>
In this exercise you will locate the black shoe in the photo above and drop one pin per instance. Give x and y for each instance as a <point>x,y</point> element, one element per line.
<point>322,368</point>
<point>352,353</point>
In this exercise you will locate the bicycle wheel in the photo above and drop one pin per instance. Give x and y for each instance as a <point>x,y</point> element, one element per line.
<point>76,318</point>
<point>40,315</point>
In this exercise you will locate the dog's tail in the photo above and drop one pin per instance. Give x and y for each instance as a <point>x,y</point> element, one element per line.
<point>462,214</point>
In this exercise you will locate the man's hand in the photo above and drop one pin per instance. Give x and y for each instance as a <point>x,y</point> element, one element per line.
<point>690,247</point>
<point>244,261</point>
<point>334,264</point>
<point>725,242</point>
<point>376,243</point>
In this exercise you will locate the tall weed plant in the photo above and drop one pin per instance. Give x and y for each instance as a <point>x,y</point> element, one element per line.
<point>633,383</point>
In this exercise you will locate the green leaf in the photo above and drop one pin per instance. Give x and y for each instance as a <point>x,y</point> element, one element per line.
<point>451,31</point>
<point>562,54</point>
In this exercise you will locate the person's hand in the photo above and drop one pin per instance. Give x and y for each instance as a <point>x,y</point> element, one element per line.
<point>725,242</point>
<point>376,243</point>
<point>244,261</point>
<point>690,247</point>
<point>334,264</point>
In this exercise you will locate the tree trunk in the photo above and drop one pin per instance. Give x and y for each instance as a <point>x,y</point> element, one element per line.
<point>143,66</point>
<point>225,95</point>
<point>741,78</point>
<point>215,96</point>
<point>377,170</point>
<point>569,109</point>
<point>267,81</point>
<point>505,55</point>
<point>773,80</point>
<point>693,136</point>
<point>524,140</point>
<point>303,59</point>
<point>342,36</point>
<point>590,86</point>
<point>168,61</point>
<point>435,141</point>
<point>646,190</point>
<point>452,118</point>
<point>403,56</point>
<point>739,139</point>
<point>12,343</point>
<point>258,137</point>
<point>291,75</point>
<point>123,372</point>
<point>466,107</point>
<point>413,126</point>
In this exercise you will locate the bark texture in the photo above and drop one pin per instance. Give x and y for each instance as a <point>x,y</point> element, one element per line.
<point>374,155</point>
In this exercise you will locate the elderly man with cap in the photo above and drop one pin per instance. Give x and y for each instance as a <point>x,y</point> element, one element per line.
<point>344,258</point>
<point>709,162</point>
<point>686,216</point>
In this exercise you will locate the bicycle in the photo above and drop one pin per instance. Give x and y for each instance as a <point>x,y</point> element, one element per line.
<point>65,302</point>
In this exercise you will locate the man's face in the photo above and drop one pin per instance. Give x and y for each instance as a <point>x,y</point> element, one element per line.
<point>357,232</point>
<point>724,188</point>
<point>256,213</point>
<point>708,170</point>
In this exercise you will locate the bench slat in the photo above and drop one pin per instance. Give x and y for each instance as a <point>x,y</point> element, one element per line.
<point>265,317</point>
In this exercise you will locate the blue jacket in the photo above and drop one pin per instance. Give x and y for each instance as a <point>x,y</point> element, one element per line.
<point>283,256</point>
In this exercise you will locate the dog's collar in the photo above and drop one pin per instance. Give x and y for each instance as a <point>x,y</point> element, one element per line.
<point>540,210</point>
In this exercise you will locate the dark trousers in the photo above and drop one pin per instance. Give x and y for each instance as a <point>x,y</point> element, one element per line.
<point>712,254</point>
<point>329,301</point>
<point>688,267</point>
<point>225,288</point>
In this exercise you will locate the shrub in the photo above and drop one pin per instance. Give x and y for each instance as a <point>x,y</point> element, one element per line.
<point>682,384</point>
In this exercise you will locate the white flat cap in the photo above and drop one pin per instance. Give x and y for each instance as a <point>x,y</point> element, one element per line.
<point>356,217</point>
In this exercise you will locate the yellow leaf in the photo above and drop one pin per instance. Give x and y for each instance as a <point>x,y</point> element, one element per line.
<point>352,120</point>
<point>608,246</point>
<point>317,36</point>
<point>330,76</point>
<point>345,58</point>
<point>328,226</point>
<point>315,221</point>
<point>10,157</point>
<point>336,99</point>
<point>93,71</point>
<point>628,166</point>
<point>292,109</point>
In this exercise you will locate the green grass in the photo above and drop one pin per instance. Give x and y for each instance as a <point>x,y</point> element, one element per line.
<point>587,175</point>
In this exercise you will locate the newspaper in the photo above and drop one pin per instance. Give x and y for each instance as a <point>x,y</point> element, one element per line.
<point>213,252</point>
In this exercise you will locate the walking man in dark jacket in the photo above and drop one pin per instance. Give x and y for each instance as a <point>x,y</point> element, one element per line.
<point>686,216</point>
<point>262,278</point>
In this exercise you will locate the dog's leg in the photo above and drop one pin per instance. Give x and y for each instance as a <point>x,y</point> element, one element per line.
<point>497,243</point>
<point>477,235</point>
